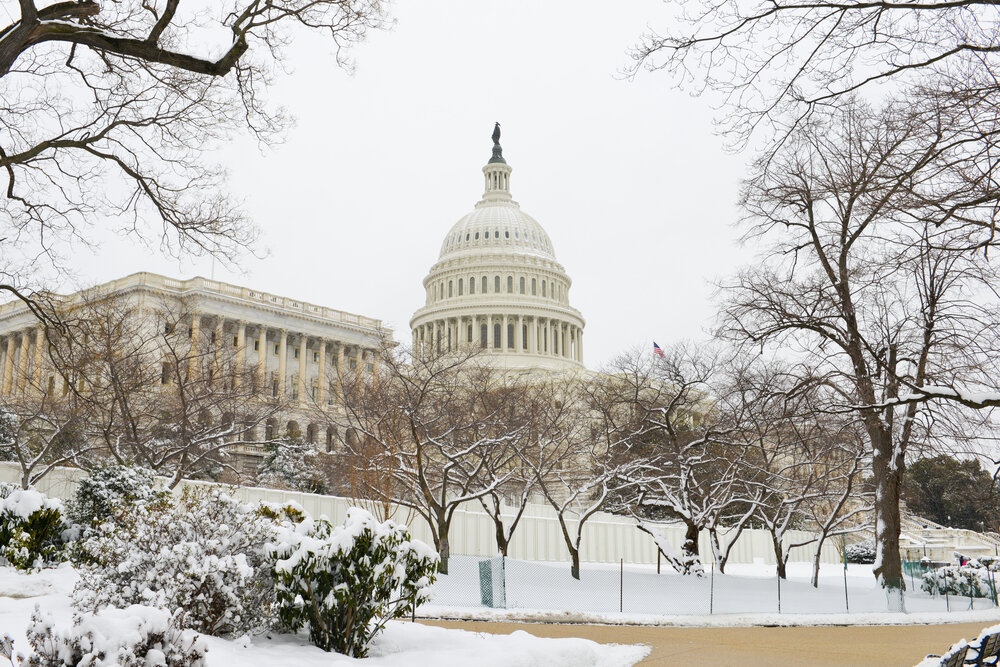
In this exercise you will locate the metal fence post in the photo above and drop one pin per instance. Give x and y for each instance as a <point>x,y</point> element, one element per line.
<point>621,587</point>
<point>778,577</point>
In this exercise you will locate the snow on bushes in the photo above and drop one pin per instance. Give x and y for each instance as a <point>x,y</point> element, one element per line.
<point>110,487</point>
<point>205,555</point>
<point>346,582</point>
<point>134,637</point>
<point>965,581</point>
<point>861,552</point>
<point>31,527</point>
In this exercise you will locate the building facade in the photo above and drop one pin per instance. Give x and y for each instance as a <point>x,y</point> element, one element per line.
<point>498,286</point>
<point>295,347</point>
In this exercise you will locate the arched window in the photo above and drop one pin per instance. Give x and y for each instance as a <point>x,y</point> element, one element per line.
<point>484,336</point>
<point>484,285</point>
<point>469,338</point>
<point>460,286</point>
<point>472,285</point>
<point>311,434</point>
<point>543,288</point>
<point>496,284</point>
<point>524,337</point>
<point>451,286</point>
<point>269,428</point>
<point>510,336</point>
<point>331,438</point>
<point>522,284</point>
<point>510,284</point>
<point>496,335</point>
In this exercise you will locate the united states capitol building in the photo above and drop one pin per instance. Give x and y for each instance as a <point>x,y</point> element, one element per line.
<point>496,285</point>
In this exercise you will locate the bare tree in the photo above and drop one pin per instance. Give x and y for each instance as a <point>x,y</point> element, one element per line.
<point>683,444</point>
<point>775,61</point>
<point>444,421</point>
<point>111,109</point>
<point>857,279</point>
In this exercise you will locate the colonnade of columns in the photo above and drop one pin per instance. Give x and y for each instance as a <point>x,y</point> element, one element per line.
<point>22,361</point>
<point>305,351</point>
<point>518,334</point>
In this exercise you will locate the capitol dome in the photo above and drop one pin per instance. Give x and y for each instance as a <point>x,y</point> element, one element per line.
<point>497,285</point>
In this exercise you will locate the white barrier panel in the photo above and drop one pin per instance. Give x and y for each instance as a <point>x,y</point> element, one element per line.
<point>538,537</point>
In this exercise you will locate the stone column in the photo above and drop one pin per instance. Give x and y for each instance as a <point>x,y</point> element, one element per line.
<point>504,342</point>
<point>262,359</point>
<point>282,362</point>
<point>241,346</point>
<point>563,337</point>
<point>22,371</point>
<point>321,380</point>
<point>490,342</point>
<point>477,331</point>
<point>579,345</point>
<point>303,351</point>
<point>340,373</point>
<point>194,353</point>
<point>8,366</point>
<point>39,358</point>
<point>519,335</point>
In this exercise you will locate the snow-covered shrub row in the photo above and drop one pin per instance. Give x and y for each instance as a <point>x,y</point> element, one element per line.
<point>31,527</point>
<point>961,581</point>
<point>346,582</point>
<point>204,554</point>
<point>861,552</point>
<point>110,487</point>
<point>134,637</point>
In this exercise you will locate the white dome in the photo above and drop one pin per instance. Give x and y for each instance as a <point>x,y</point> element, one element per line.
<point>497,285</point>
<point>498,225</point>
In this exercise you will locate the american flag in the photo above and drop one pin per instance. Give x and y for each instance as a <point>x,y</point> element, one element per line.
<point>657,350</point>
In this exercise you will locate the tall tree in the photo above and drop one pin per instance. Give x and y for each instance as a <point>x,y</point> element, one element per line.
<point>112,109</point>
<point>952,492</point>
<point>861,276</point>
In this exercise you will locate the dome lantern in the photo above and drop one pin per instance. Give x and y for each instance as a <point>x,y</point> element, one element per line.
<point>497,172</point>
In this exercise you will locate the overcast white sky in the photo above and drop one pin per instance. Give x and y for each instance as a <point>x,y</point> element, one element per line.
<point>628,177</point>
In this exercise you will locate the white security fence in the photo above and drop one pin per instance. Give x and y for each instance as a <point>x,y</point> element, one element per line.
<point>607,538</point>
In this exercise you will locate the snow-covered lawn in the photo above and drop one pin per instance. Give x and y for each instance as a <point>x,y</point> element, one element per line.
<point>401,645</point>
<point>746,594</point>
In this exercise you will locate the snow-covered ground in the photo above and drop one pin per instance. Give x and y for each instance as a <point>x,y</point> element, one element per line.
<point>746,594</point>
<point>401,645</point>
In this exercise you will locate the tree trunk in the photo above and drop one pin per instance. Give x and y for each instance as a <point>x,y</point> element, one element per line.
<point>690,546</point>
<point>779,558</point>
<point>719,557</point>
<point>443,547</point>
<point>574,568</point>
<point>816,560</point>
<point>887,467</point>
<point>502,542</point>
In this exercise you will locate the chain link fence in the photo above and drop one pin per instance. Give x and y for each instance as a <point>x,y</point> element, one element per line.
<point>474,582</point>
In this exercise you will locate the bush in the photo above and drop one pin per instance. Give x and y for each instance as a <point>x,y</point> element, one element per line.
<point>347,582</point>
<point>961,581</point>
<point>291,464</point>
<point>861,552</point>
<point>134,637</point>
<point>110,487</point>
<point>31,527</point>
<point>205,555</point>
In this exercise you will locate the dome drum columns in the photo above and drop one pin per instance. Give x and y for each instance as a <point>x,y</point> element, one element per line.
<point>505,333</point>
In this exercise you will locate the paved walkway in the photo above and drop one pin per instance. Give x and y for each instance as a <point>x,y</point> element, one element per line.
<point>881,646</point>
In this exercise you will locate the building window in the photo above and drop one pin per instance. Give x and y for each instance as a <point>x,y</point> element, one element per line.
<point>506,234</point>
<point>483,336</point>
<point>277,348</point>
<point>510,336</point>
<point>496,284</point>
<point>450,286</point>
<point>165,373</point>
<point>543,288</point>
<point>469,339</point>
<point>477,236</point>
<point>236,341</point>
<point>496,234</point>
<point>510,284</point>
<point>274,389</point>
<point>534,285</point>
<point>371,368</point>
<point>524,337</point>
<point>297,352</point>
<point>315,357</point>
<point>460,281</point>
<point>496,335</point>
<point>522,284</point>
<point>353,364</point>
<point>484,285</point>
<point>472,285</point>
<point>256,345</point>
